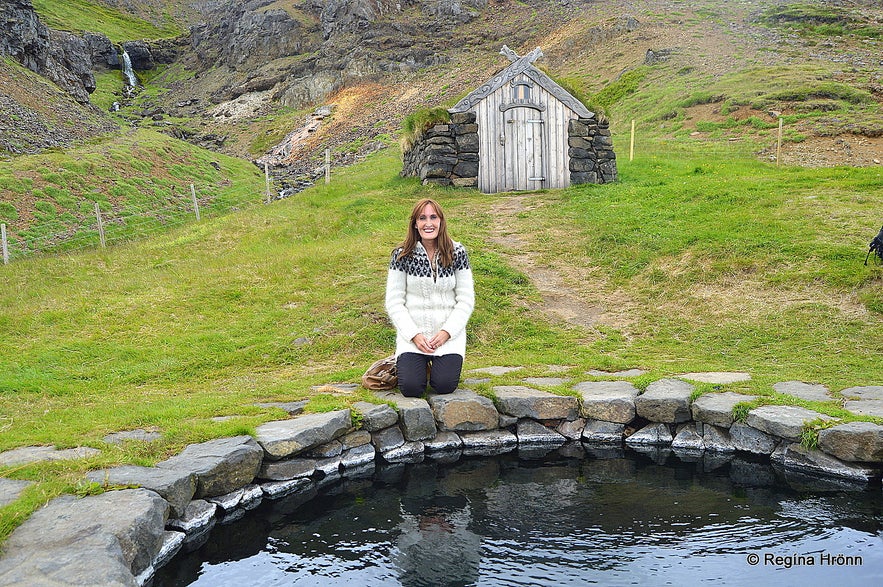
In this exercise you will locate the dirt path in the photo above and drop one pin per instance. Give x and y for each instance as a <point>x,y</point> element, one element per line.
<point>560,301</point>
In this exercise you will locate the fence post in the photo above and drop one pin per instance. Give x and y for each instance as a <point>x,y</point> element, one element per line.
<point>5,248</point>
<point>779,142</point>
<point>195,201</point>
<point>100,226</point>
<point>632,142</point>
<point>327,165</point>
<point>267,179</point>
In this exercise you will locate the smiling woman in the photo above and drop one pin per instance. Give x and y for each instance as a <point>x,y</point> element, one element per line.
<point>429,298</point>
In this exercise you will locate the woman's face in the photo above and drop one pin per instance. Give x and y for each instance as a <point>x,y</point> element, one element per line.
<point>428,223</point>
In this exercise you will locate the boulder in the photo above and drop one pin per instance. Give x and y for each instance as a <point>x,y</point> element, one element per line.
<point>488,443</point>
<point>532,432</point>
<point>817,463</point>
<point>654,434</point>
<point>287,469</point>
<point>688,440</point>
<point>748,439</point>
<point>666,400</point>
<point>175,486</point>
<point>603,432</point>
<point>415,416</point>
<point>443,442</point>
<point>525,402</point>
<point>376,416</point>
<point>464,411</point>
<point>853,441</point>
<point>388,439</point>
<point>717,408</point>
<point>221,466</point>
<point>106,539</point>
<point>610,401</point>
<point>717,439</point>
<point>285,438</point>
<point>783,421</point>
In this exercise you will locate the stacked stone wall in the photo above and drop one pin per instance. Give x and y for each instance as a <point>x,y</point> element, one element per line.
<point>592,159</point>
<point>446,154</point>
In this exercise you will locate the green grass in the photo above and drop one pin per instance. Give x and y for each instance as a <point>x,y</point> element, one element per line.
<point>85,15</point>
<point>715,261</point>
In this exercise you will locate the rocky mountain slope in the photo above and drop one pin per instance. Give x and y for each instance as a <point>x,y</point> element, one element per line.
<point>249,73</point>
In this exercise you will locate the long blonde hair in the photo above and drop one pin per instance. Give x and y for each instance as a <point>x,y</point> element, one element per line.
<point>443,241</point>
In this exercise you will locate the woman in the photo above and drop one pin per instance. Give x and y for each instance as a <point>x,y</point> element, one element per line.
<point>429,298</point>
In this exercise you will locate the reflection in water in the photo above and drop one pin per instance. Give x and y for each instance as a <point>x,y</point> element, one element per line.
<point>608,518</point>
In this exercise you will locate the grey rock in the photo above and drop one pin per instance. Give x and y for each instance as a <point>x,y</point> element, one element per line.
<point>287,469</point>
<point>199,517</point>
<point>603,432</point>
<point>376,416</point>
<point>355,439</point>
<point>507,421</point>
<point>175,486</point>
<point>751,440</point>
<point>279,489</point>
<point>488,443</point>
<point>782,421</point>
<point>865,392</point>
<point>415,416</point>
<point>525,402</point>
<point>387,439</point>
<point>443,442</point>
<point>545,381</point>
<point>688,440</point>
<point>293,408</point>
<point>138,435</point>
<point>285,438</point>
<point>717,408</point>
<point>35,454</point>
<point>717,377</point>
<point>666,400</point>
<point>807,391</point>
<point>10,489</point>
<point>114,533</point>
<point>532,432</point>
<point>496,371</point>
<point>816,462</point>
<point>869,407</point>
<point>171,545</point>
<point>654,434</point>
<point>464,411</point>
<point>325,451</point>
<point>247,498</point>
<point>358,456</point>
<point>717,439</point>
<point>572,429</point>
<point>409,452</point>
<point>627,373</point>
<point>853,441</point>
<point>611,401</point>
<point>221,466</point>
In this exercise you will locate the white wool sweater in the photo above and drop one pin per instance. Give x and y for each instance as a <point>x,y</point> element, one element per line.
<point>420,300</point>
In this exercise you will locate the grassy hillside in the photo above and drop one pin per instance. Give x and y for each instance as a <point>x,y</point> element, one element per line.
<point>708,259</point>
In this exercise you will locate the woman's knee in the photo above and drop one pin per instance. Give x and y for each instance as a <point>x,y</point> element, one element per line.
<point>412,388</point>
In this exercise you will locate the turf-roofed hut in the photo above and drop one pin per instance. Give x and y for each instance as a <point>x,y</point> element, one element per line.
<point>518,131</point>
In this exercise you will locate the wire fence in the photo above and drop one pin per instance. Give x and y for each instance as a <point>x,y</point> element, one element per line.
<point>109,225</point>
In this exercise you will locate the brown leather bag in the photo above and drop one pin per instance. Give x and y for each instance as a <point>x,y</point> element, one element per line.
<point>381,375</point>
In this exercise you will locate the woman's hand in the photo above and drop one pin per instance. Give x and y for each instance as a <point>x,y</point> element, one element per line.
<point>429,346</point>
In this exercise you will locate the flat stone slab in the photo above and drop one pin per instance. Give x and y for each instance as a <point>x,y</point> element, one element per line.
<point>285,438</point>
<point>627,373</point>
<point>176,487</point>
<point>869,407</point>
<point>496,371</point>
<point>106,539</point>
<point>138,435</point>
<point>293,408</point>
<point>666,400</point>
<point>610,401</point>
<point>717,408</point>
<point>545,381</point>
<point>853,441</point>
<point>34,454</point>
<point>464,411</point>
<point>525,402</point>
<point>717,377</point>
<point>783,421</point>
<point>866,392</point>
<point>221,466</point>
<point>813,392</point>
<point>415,416</point>
<point>10,489</point>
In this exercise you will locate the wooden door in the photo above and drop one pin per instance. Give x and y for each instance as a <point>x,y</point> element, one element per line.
<point>523,149</point>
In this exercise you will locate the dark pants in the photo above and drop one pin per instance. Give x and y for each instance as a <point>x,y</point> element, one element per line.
<point>444,373</point>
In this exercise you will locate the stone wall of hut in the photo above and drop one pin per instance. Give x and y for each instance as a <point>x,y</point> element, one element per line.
<point>447,154</point>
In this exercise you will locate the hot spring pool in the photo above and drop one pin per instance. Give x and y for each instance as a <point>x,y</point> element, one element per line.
<point>608,518</point>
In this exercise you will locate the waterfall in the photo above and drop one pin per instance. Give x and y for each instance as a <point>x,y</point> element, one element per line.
<point>128,72</point>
